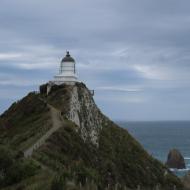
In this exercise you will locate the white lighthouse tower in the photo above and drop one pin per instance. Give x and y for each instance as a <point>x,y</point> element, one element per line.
<point>67,75</point>
<point>67,71</point>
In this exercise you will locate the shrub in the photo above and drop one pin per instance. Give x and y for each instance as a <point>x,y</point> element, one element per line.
<point>58,183</point>
<point>12,169</point>
<point>6,159</point>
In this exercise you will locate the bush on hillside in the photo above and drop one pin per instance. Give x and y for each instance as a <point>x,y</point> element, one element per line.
<point>13,170</point>
<point>58,183</point>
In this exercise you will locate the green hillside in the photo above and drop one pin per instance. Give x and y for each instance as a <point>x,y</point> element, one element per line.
<point>24,122</point>
<point>70,158</point>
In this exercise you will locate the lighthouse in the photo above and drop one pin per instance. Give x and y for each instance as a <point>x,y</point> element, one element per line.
<point>67,75</point>
<point>67,71</point>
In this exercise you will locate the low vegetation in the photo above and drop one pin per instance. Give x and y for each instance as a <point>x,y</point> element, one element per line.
<point>24,122</point>
<point>14,168</point>
<point>124,162</point>
<point>66,160</point>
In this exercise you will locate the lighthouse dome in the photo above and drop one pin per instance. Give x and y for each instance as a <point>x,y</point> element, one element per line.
<point>68,58</point>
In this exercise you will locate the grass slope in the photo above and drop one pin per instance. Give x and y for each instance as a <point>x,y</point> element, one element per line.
<point>119,158</point>
<point>24,122</point>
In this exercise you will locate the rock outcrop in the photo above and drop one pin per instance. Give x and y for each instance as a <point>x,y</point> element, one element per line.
<point>175,160</point>
<point>89,122</point>
<point>77,105</point>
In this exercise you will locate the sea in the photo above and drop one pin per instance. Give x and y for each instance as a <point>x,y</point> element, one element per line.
<point>159,137</point>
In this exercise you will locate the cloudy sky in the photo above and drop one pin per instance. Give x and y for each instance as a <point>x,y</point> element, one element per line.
<point>135,54</point>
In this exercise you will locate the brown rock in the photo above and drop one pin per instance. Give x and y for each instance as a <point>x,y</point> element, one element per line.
<point>175,160</point>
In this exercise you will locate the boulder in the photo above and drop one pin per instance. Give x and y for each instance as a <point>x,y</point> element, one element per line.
<point>175,160</point>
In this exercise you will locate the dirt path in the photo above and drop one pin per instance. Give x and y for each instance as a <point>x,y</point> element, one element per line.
<point>57,123</point>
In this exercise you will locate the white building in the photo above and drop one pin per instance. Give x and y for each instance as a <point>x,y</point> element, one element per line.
<point>67,75</point>
<point>67,71</point>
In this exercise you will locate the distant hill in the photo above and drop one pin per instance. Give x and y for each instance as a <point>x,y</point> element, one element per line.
<point>75,144</point>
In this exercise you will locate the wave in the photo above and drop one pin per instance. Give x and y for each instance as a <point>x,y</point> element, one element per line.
<point>179,170</point>
<point>187,158</point>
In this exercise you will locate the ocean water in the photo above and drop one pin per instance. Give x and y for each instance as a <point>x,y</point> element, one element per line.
<point>158,138</point>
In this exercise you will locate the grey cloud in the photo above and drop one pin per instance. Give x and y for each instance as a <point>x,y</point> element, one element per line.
<point>115,43</point>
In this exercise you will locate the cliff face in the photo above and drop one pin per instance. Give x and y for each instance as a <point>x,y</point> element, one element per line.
<point>85,114</point>
<point>86,143</point>
<point>77,105</point>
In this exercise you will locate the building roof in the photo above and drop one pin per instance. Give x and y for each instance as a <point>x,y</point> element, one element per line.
<point>68,58</point>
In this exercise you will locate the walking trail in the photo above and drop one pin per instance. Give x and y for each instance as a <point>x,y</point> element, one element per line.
<point>57,123</point>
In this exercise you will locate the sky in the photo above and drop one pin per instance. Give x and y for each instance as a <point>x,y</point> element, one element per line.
<point>135,54</point>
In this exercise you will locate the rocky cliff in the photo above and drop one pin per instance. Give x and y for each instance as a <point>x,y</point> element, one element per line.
<point>81,109</point>
<point>78,141</point>
<point>85,114</point>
